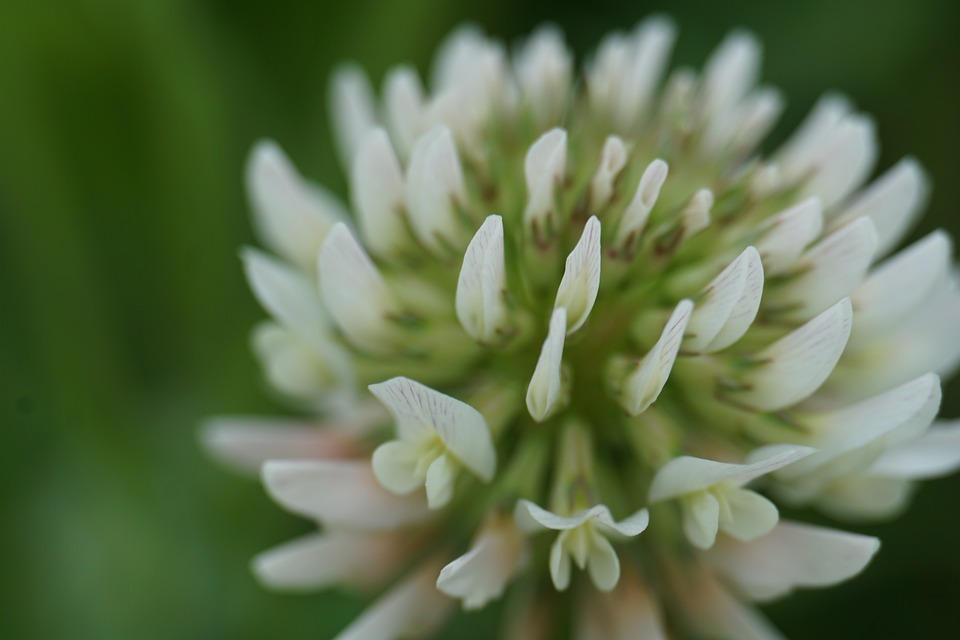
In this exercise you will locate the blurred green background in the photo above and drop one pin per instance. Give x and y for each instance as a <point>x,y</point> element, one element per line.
<point>124,315</point>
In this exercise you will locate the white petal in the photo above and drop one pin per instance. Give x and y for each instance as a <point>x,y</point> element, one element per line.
<point>687,474</point>
<point>796,365</point>
<point>791,232</point>
<point>412,609</point>
<point>603,565</point>
<point>352,110</point>
<point>728,307</point>
<point>829,271</point>
<point>751,515</point>
<point>395,465</point>
<point>634,218</point>
<point>932,455</point>
<point>813,138</point>
<point>627,613</point>
<point>531,517</point>
<point>544,167</point>
<point>893,201</point>
<point>896,288</point>
<point>291,217</point>
<point>643,385</point>
<point>613,158</point>
<point>376,186</point>
<point>846,163</point>
<point>647,54</point>
<point>756,117</point>
<point>319,561</point>
<point>420,411</point>
<point>480,303</point>
<point>793,555</point>
<point>581,277</point>
<point>288,295</point>
<point>545,392</point>
<point>543,68</point>
<point>354,292</point>
<point>559,564</point>
<point>403,107</point>
<point>294,367</point>
<point>246,443</point>
<point>481,574</point>
<point>434,189</point>
<point>701,519</point>
<point>714,613</point>
<point>865,497</point>
<point>439,482</point>
<point>730,73</point>
<point>340,494</point>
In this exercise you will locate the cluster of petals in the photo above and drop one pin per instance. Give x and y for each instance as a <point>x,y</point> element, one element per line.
<point>582,322</point>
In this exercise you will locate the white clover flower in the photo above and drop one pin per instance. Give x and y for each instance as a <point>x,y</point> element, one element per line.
<point>588,304</point>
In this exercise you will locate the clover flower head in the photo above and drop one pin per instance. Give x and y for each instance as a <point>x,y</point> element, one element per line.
<point>586,304</point>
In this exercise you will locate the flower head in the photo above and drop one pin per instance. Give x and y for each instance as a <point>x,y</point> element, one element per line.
<point>589,306</point>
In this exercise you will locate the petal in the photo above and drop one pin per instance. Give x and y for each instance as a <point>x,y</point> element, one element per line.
<point>559,564</point>
<point>701,519</point>
<point>420,412</point>
<point>613,158</point>
<point>480,303</point>
<point>246,443</point>
<point>728,306</point>
<point>846,161</point>
<point>581,277</point>
<point>813,138</point>
<point>288,295</point>
<point>320,561</point>
<point>354,292</point>
<point>293,367</point>
<point>795,366</point>
<point>412,609</point>
<point>543,68</point>
<point>545,393</point>
<point>352,110</point>
<point>291,217</point>
<point>790,232</point>
<point>829,271</point>
<point>403,107</point>
<point>751,515</point>
<point>627,613</point>
<point>895,289</point>
<point>687,474</point>
<point>635,216</point>
<point>544,167</point>
<point>603,565</point>
<point>434,189</point>
<point>714,613</point>
<point>377,191</point>
<point>643,385</point>
<point>340,494</point>
<point>439,482</point>
<point>730,73</point>
<point>395,463</point>
<point>865,497</point>
<point>932,455</point>
<point>793,555</point>
<point>893,202</point>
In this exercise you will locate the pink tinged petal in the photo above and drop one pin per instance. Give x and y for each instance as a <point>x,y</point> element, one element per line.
<point>751,516</point>
<point>893,202</point>
<point>728,306</point>
<point>627,613</point>
<point>544,168</point>
<point>643,384</point>
<point>613,158</point>
<point>411,609</point>
<point>792,368</point>
<point>714,613</point>
<point>845,163</point>
<point>403,107</point>
<point>701,519</point>
<point>377,191</point>
<point>791,231</point>
<point>545,392</point>
<point>687,474</point>
<point>829,271</point>
<point>543,69</point>
<point>896,288</point>
<point>291,298</point>
<point>355,293</point>
<point>792,556</point>
<point>422,412</point>
<point>246,443</point>
<point>934,454</point>
<point>581,277</point>
<point>292,217</point>
<point>481,308</point>
<point>320,561</point>
<point>635,216</point>
<point>352,110</point>
<point>482,574</point>
<point>434,191</point>
<point>340,494</point>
